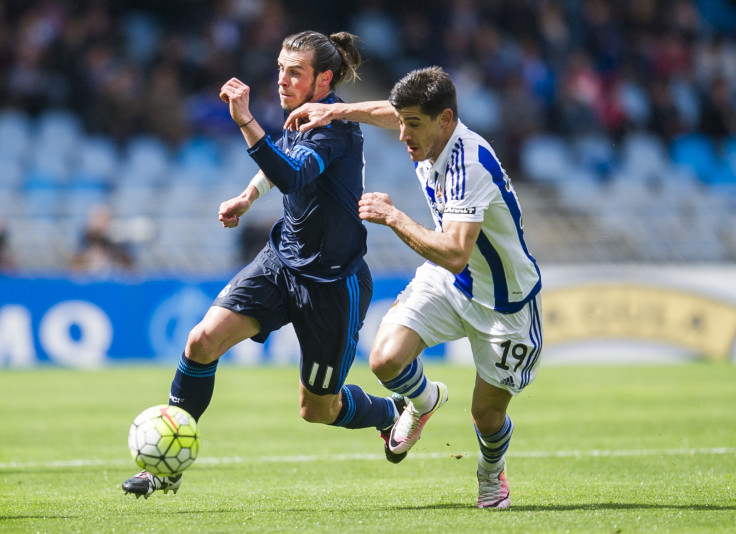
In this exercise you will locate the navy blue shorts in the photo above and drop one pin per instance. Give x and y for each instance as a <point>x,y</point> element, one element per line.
<point>326,315</point>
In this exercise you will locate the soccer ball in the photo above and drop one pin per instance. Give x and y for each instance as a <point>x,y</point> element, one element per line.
<point>164,440</point>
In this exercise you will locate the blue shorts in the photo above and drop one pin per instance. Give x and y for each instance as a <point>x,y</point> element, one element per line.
<point>326,315</point>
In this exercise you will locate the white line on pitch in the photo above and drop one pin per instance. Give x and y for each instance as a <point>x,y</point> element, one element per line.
<point>351,457</point>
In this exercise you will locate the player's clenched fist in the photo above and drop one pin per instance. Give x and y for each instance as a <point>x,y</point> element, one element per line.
<point>237,95</point>
<point>375,208</point>
<point>231,211</point>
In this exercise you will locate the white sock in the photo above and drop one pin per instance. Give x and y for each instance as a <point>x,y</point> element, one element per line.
<point>426,400</point>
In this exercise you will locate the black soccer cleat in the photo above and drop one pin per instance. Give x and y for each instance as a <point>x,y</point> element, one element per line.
<point>145,483</point>
<point>394,458</point>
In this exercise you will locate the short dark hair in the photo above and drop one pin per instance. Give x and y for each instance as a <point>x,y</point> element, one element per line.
<point>337,53</point>
<point>430,88</point>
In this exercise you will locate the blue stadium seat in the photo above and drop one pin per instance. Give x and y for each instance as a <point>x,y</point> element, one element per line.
<point>136,200</point>
<point>79,200</point>
<point>697,152</point>
<point>40,243</point>
<point>58,130</point>
<point>387,165</point>
<point>478,105</point>
<point>15,134</point>
<point>595,153</point>
<point>50,162</point>
<point>237,166</point>
<point>96,162</point>
<point>11,203</point>
<point>546,158</point>
<point>184,196</point>
<point>146,162</point>
<point>643,157</point>
<point>729,154</point>
<point>678,184</point>
<point>200,152</point>
<point>43,202</point>
<point>11,174</point>
<point>379,32</point>
<point>581,192</point>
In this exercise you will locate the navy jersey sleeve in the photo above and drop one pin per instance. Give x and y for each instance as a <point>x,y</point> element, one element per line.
<point>298,159</point>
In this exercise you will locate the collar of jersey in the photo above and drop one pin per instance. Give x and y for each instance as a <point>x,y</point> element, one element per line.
<point>331,98</point>
<point>441,164</point>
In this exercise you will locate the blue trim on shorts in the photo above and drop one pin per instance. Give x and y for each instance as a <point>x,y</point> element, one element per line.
<point>354,321</point>
<point>535,333</point>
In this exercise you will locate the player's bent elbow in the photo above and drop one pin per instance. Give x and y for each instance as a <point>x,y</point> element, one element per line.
<point>456,265</point>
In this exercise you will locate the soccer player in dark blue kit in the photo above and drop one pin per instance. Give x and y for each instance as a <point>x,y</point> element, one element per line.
<point>312,272</point>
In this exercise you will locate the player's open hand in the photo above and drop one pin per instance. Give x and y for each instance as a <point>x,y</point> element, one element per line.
<point>237,95</point>
<point>308,116</point>
<point>376,208</point>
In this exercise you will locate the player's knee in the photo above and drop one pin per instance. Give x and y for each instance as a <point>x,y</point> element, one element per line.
<point>315,414</point>
<point>383,363</point>
<point>320,409</point>
<point>200,346</point>
<point>488,420</point>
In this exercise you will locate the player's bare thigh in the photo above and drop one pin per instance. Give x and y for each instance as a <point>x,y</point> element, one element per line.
<point>489,406</point>
<point>217,332</point>
<point>394,347</point>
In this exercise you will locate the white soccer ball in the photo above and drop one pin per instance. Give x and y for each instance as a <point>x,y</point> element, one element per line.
<point>164,440</point>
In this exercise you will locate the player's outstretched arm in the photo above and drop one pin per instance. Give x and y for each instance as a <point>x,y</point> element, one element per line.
<point>312,115</point>
<point>233,209</point>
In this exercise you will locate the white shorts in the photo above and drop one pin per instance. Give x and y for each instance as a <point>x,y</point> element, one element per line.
<point>506,347</point>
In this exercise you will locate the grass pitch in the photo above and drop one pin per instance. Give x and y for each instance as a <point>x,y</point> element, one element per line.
<point>595,449</point>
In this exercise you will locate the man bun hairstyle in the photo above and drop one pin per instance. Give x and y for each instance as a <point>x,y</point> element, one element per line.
<point>345,44</point>
<point>430,88</point>
<point>337,53</point>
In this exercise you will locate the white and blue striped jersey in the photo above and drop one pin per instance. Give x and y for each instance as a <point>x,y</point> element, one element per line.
<point>467,183</point>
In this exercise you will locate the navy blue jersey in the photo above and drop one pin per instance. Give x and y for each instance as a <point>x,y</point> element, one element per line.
<point>320,174</point>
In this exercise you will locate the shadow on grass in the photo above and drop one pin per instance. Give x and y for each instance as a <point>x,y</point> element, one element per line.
<point>621,506</point>
<point>42,516</point>
<point>574,507</point>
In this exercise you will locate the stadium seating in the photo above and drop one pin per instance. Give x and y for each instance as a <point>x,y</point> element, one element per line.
<point>591,198</point>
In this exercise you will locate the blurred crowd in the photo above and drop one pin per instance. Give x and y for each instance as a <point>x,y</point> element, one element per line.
<point>522,67</point>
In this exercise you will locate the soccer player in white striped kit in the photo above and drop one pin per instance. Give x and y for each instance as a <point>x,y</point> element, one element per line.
<point>479,281</point>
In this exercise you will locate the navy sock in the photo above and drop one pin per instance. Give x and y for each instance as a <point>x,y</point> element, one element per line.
<point>360,410</point>
<point>192,386</point>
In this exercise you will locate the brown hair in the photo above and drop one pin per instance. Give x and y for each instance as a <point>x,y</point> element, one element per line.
<point>337,53</point>
<point>430,88</point>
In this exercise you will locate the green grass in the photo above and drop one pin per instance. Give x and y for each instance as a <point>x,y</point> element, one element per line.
<point>595,449</point>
